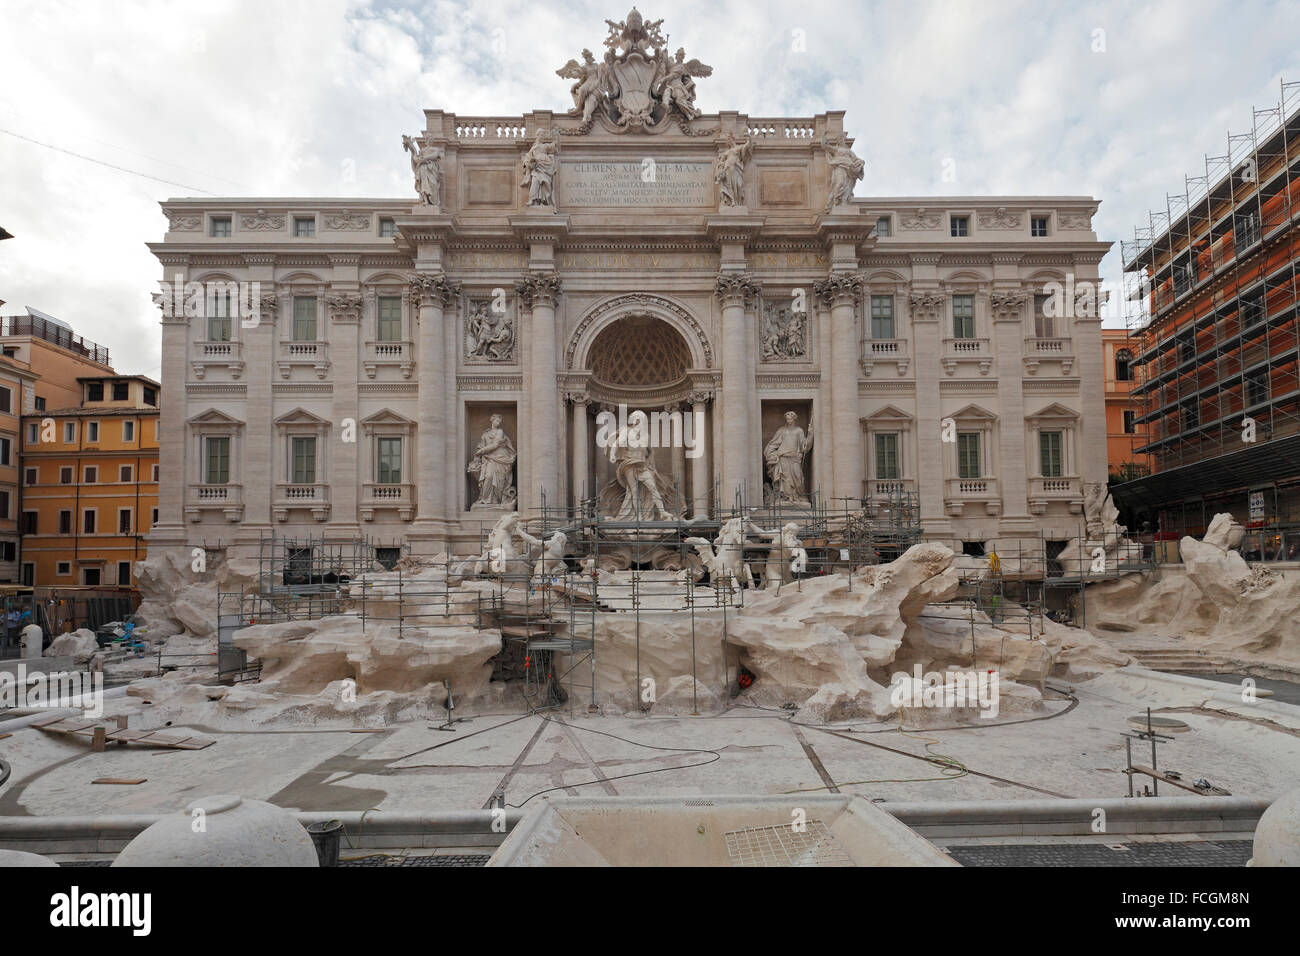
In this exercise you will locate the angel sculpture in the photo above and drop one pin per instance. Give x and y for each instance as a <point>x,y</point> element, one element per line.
<point>592,79</point>
<point>676,84</point>
<point>729,171</point>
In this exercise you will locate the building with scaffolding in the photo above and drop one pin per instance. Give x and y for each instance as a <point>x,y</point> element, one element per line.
<point>1210,301</point>
<point>359,367</point>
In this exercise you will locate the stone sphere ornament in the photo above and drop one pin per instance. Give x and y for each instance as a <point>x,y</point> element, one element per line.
<point>1277,835</point>
<point>223,830</point>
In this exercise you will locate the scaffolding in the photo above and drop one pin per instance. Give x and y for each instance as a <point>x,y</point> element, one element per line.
<point>1210,305</point>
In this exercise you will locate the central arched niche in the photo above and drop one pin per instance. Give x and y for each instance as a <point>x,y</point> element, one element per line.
<point>639,351</point>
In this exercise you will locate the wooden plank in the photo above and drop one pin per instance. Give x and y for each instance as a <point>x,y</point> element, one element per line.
<point>1172,782</point>
<point>124,781</point>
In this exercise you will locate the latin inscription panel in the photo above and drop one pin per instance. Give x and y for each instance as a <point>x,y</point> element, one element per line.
<point>636,184</point>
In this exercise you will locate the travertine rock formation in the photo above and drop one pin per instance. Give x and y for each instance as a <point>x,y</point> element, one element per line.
<point>80,645</point>
<point>1216,601</point>
<point>177,599</point>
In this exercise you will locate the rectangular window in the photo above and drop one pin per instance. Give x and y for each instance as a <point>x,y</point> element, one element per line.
<point>153,517</point>
<point>887,455</point>
<point>155,473</point>
<point>30,521</point>
<point>304,318</point>
<point>31,476</point>
<point>882,316</point>
<point>9,551</point>
<point>92,432</point>
<point>88,522</point>
<point>884,227</point>
<point>33,434</point>
<point>1257,386</point>
<point>219,317</point>
<point>29,573</point>
<point>6,400</point>
<point>1191,415</point>
<point>304,227</point>
<point>302,461</point>
<point>150,396</point>
<point>123,520</point>
<point>124,573</point>
<point>216,469</point>
<point>63,568</point>
<point>40,403</point>
<point>5,451</point>
<point>390,318</point>
<point>90,577</point>
<point>1050,462</point>
<point>959,226</point>
<point>69,433</point>
<point>121,391</point>
<point>387,228</point>
<point>968,454</point>
<point>1038,227</point>
<point>963,316</point>
<point>1044,324</point>
<point>220,227</point>
<point>390,461</point>
<point>124,474</point>
<point>91,475</point>
<point>65,522</point>
<point>94,391</point>
<point>65,476</point>
<point>1130,421</point>
<point>4,504</point>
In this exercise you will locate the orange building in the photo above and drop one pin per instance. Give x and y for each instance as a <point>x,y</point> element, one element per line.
<point>1121,409</point>
<point>49,347</point>
<point>90,483</point>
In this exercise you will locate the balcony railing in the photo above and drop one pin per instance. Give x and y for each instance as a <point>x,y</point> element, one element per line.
<point>400,354</point>
<point>55,335</point>
<point>229,354</point>
<point>963,491</point>
<point>1044,491</point>
<point>315,354</point>
<point>375,496</point>
<point>289,495</point>
<point>888,487</point>
<point>884,350</point>
<point>956,351</point>
<point>1038,349</point>
<point>227,498</point>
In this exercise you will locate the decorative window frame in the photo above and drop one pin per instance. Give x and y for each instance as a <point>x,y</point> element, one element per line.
<point>1068,487</point>
<point>974,418</point>
<point>891,420</point>
<point>288,495</point>
<point>375,497</point>
<point>291,353</point>
<point>398,354</point>
<point>199,496</point>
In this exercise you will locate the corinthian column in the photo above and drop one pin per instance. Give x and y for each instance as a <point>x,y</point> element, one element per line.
<point>701,483</point>
<point>581,483</point>
<point>539,290</point>
<point>841,292</point>
<point>734,290</point>
<point>431,294</point>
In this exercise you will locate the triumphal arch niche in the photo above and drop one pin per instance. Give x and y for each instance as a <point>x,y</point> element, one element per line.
<point>624,249</point>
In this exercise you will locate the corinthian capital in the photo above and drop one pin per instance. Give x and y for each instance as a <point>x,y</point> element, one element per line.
<point>737,285</point>
<point>538,288</point>
<point>839,286</point>
<point>433,289</point>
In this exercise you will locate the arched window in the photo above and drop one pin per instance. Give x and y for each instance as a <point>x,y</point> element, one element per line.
<point>1123,366</point>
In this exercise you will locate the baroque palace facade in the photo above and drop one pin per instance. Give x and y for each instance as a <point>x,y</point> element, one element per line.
<point>409,371</point>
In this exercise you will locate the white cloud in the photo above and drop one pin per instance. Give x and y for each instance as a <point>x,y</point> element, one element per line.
<point>266,97</point>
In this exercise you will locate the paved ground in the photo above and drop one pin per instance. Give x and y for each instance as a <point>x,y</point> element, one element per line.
<point>1198,853</point>
<point>1076,752</point>
<point>1283,690</point>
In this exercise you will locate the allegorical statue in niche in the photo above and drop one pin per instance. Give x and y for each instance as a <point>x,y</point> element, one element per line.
<point>729,171</point>
<point>784,455</point>
<point>540,164</point>
<point>592,79</point>
<point>489,334</point>
<point>784,334</point>
<point>492,465</point>
<point>426,163</point>
<point>640,488</point>
<point>846,169</point>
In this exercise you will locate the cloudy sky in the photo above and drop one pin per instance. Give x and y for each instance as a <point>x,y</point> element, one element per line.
<point>294,98</point>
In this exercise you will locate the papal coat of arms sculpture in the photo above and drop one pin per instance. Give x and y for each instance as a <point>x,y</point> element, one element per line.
<point>638,85</point>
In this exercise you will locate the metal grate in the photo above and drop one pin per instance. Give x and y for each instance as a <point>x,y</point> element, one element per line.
<point>782,845</point>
